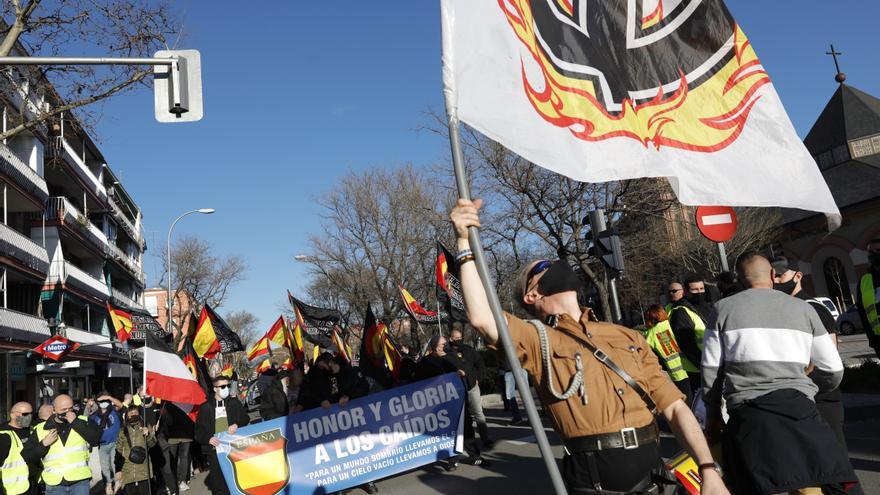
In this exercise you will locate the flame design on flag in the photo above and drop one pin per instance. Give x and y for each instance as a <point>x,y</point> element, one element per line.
<point>705,118</point>
<point>121,322</point>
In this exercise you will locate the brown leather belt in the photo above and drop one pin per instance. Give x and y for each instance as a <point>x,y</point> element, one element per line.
<point>627,438</point>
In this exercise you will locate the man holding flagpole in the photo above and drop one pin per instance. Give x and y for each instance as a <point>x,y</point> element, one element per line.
<point>610,381</point>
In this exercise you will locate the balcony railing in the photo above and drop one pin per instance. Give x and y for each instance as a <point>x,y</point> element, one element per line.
<point>124,299</point>
<point>59,208</point>
<point>22,248</point>
<point>79,277</point>
<point>16,323</point>
<point>13,166</point>
<point>125,223</point>
<point>60,148</point>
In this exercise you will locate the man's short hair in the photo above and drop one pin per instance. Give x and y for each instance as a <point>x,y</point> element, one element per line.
<point>693,278</point>
<point>744,258</point>
<point>221,378</point>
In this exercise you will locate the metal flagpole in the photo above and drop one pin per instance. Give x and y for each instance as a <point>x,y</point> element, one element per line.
<point>483,269</point>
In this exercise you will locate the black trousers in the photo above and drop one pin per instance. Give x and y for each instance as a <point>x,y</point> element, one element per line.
<point>139,488</point>
<point>618,469</point>
<point>179,457</point>
<point>215,481</point>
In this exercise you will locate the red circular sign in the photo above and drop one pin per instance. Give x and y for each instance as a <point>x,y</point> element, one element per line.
<point>716,223</point>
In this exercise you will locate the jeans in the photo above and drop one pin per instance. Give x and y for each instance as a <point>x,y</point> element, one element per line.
<point>475,405</point>
<point>107,456</point>
<point>78,488</point>
<point>180,455</point>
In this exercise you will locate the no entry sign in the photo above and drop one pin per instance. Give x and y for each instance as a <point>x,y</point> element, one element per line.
<point>716,223</point>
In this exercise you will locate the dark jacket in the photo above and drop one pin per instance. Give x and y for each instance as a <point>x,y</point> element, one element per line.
<point>175,423</point>
<point>205,424</point>
<point>273,401</point>
<point>685,333</point>
<point>467,359</point>
<point>797,448</point>
<point>433,365</point>
<point>322,385</point>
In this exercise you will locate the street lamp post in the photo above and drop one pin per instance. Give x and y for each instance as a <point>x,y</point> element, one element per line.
<point>170,301</point>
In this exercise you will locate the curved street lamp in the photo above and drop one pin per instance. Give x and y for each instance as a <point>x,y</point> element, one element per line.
<point>170,301</point>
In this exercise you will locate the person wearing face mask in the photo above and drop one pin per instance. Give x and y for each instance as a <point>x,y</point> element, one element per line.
<point>868,296</point>
<point>134,441</point>
<point>600,383</point>
<point>220,413</point>
<point>14,471</point>
<point>108,420</point>
<point>62,443</point>
<point>688,323</point>
<point>273,400</point>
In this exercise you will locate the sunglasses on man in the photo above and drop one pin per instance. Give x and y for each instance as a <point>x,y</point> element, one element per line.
<point>221,387</point>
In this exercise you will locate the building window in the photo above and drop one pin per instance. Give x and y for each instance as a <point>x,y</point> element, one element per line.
<point>152,305</point>
<point>837,282</point>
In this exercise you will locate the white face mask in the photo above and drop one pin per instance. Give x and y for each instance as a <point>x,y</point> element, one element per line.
<point>103,405</point>
<point>223,392</point>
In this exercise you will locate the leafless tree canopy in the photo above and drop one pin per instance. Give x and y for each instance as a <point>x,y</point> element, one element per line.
<point>379,231</point>
<point>201,274</point>
<point>106,28</point>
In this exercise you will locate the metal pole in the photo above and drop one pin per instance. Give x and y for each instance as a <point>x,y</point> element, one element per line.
<point>723,253</point>
<point>130,374</point>
<point>170,302</point>
<point>597,225</point>
<point>85,61</point>
<point>500,321</point>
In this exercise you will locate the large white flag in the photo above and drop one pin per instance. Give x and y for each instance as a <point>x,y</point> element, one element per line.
<point>602,90</point>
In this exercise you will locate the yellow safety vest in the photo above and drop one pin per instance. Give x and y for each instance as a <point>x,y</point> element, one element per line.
<point>65,461</point>
<point>14,470</point>
<point>869,302</point>
<point>662,340</point>
<point>699,332</point>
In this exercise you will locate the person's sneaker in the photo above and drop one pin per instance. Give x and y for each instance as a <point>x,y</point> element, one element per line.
<point>478,461</point>
<point>184,486</point>
<point>451,466</point>
<point>371,488</point>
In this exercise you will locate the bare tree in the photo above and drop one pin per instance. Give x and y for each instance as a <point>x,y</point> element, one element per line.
<point>200,276</point>
<point>244,323</point>
<point>113,28</point>
<point>379,227</point>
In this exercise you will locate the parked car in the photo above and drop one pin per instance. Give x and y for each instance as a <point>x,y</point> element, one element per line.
<point>828,303</point>
<point>850,322</point>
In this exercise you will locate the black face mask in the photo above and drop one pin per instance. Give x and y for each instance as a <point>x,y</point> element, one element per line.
<point>558,278</point>
<point>787,287</point>
<point>874,260</point>
<point>698,298</point>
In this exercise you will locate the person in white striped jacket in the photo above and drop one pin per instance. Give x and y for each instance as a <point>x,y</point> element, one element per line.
<point>758,344</point>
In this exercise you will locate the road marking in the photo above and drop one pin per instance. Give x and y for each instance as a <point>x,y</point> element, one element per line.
<point>717,219</point>
<point>523,441</point>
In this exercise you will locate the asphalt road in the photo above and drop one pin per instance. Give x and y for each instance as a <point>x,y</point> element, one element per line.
<point>516,466</point>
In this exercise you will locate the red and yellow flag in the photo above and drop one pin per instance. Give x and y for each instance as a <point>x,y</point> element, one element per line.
<point>121,322</point>
<point>260,348</point>
<point>264,366</point>
<point>205,341</point>
<point>297,346</point>
<point>227,370</point>
<point>341,348</point>
<point>278,332</point>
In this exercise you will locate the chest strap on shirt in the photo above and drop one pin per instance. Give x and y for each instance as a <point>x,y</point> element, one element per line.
<point>577,381</point>
<point>604,359</point>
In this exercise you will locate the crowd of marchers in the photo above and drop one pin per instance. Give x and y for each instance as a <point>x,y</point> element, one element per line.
<point>758,362</point>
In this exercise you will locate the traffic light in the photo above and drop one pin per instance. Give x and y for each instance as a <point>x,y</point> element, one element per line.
<point>606,247</point>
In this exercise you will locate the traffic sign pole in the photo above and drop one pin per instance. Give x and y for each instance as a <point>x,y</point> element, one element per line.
<point>723,253</point>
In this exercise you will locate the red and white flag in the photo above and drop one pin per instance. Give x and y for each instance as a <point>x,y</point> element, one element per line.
<point>167,377</point>
<point>610,90</point>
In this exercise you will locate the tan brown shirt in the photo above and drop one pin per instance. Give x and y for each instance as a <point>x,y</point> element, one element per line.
<point>612,404</point>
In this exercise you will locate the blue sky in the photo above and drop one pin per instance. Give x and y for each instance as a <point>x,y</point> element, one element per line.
<point>296,94</point>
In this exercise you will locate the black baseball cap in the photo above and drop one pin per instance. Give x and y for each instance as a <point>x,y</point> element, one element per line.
<point>781,264</point>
